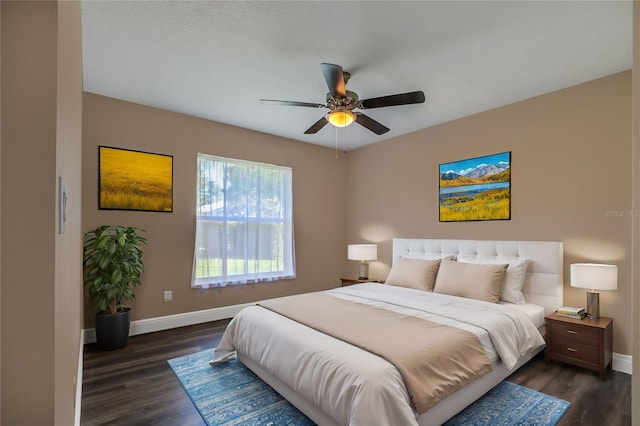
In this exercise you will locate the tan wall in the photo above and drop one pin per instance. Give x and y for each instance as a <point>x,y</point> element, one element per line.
<point>68,261</point>
<point>571,164</point>
<point>318,197</point>
<point>41,281</point>
<point>0,214</point>
<point>28,200</point>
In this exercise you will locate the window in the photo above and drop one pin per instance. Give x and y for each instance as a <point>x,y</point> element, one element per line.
<point>244,223</point>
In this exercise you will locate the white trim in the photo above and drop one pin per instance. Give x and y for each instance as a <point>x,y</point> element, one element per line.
<point>167,322</point>
<point>621,363</point>
<point>78,402</point>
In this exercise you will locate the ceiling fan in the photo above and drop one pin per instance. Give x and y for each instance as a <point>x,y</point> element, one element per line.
<point>342,103</point>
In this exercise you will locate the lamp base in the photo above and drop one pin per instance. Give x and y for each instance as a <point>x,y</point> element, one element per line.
<point>363,272</point>
<point>593,305</point>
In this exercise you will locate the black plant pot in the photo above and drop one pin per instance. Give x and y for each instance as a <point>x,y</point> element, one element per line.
<point>112,330</point>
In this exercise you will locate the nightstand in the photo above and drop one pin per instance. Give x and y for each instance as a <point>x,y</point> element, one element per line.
<point>586,343</point>
<point>352,281</point>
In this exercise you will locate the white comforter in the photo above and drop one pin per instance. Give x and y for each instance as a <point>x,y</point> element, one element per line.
<point>355,387</point>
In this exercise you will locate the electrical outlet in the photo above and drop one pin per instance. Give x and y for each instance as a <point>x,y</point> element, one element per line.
<point>168,296</point>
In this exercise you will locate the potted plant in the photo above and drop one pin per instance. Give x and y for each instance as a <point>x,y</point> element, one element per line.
<point>113,266</point>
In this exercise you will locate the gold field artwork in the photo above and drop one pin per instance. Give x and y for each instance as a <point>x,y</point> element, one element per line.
<point>133,180</point>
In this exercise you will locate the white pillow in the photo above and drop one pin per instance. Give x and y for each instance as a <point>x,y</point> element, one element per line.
<point>414,273</point>
<point>513,280</point>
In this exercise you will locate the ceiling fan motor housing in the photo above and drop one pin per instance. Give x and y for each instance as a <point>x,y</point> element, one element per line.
<point>348,102</point>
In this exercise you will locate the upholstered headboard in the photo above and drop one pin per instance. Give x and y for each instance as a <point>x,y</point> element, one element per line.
<point>543,285</point>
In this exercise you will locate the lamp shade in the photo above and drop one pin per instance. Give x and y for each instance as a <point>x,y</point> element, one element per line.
<point>341,118</point>
<point>594,276</point>
<point>362,252</point>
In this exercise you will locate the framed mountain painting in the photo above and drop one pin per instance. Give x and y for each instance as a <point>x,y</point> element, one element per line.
<point>476,189</point>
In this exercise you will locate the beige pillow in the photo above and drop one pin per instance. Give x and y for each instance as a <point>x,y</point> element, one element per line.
<point>414,273</point>
<point>474,281</point>
<point>513,278</point>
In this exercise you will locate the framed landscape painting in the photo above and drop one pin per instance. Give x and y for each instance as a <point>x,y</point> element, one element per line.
<point>134,180</point>
<point>476,189</point>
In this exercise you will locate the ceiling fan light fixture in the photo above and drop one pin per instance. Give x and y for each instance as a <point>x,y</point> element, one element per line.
<point>341,118</point>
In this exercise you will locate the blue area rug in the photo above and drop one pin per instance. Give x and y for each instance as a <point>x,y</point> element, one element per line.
<point>509,404</point>
<point>229,394</point>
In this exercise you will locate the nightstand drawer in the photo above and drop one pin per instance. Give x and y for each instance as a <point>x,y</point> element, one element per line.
<point>571,349</point>
<point>574,333</point>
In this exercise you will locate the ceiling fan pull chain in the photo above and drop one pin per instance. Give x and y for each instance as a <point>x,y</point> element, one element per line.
<point>346,138</point>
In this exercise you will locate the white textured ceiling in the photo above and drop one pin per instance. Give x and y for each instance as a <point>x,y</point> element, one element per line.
<point>215,59</point>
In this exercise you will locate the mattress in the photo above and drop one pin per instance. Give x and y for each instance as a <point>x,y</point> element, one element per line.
<point>534,312</point>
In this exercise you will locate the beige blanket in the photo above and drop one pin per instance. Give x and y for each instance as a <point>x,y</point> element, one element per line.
<point>434,360</point>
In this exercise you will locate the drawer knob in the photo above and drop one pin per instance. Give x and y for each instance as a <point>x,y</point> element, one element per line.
<point>572,332</point>
<point>572,350</point>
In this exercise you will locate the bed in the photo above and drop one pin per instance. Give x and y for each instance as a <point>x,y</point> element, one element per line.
<point>335,383</point>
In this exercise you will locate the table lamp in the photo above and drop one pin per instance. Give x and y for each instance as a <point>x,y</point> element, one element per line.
<point>362,253</point>
<point>594,276</point>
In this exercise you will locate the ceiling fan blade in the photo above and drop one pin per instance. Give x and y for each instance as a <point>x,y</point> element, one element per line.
<point>316,126</point>
<point>334,76</point>
<point>392,100</point>
<point>371,124</point>
<point>291,103</point>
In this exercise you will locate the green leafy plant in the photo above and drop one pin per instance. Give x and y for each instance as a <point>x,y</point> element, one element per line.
<point>113,266</point>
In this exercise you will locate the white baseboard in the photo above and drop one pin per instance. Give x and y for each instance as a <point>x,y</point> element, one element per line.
<point>78,402</point>
<point>150,325</point>
<point>621,363</point>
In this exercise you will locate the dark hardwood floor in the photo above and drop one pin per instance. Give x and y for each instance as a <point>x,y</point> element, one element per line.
<point>136,386</point>
<point>593,402</point>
